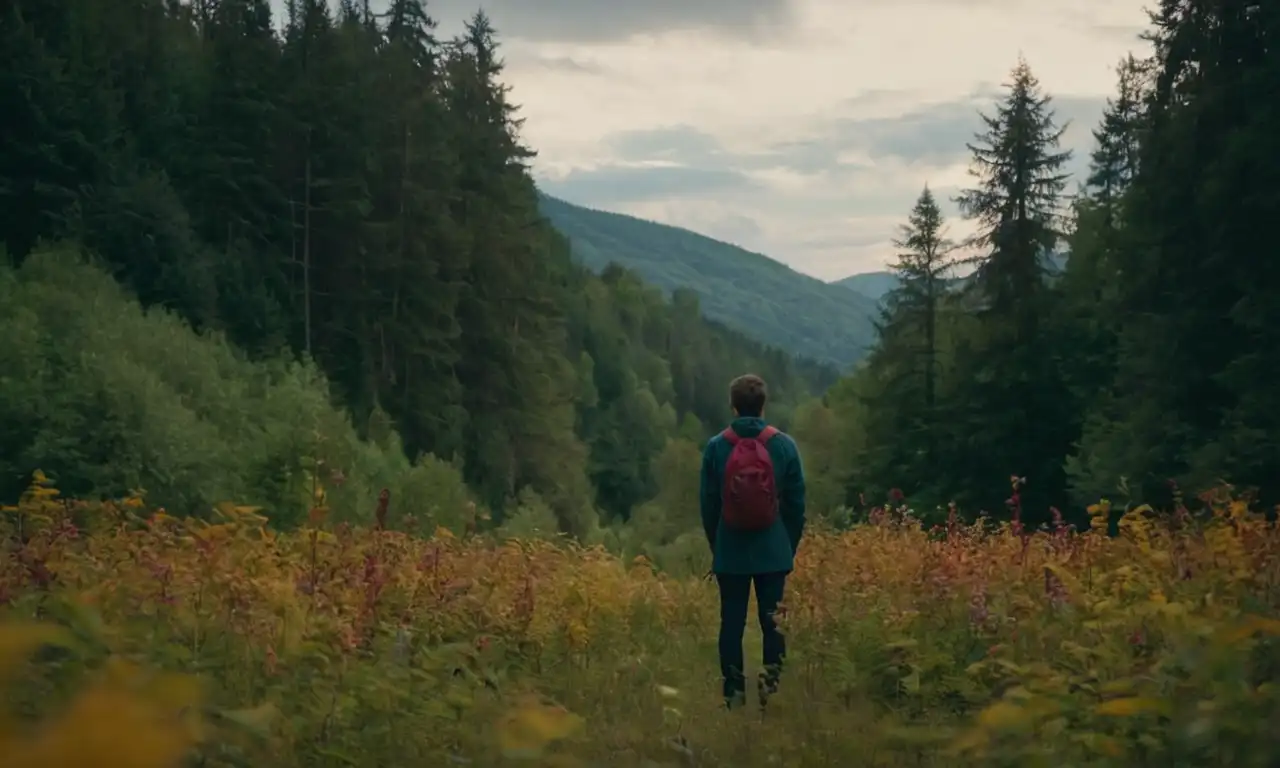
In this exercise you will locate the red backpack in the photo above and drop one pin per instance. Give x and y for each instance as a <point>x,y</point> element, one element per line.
<point>750,498</point>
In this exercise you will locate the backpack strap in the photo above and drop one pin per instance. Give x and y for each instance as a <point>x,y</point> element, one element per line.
<point>765,435</point>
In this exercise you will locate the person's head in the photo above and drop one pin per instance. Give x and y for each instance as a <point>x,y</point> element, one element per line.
<point>747,395</point>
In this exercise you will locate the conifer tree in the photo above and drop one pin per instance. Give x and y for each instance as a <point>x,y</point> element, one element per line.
<point>924,262</point>
<point>1017,418</point>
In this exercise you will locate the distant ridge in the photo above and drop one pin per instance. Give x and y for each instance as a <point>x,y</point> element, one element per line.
<point>747,291</point>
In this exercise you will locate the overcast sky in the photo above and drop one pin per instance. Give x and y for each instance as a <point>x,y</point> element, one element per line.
<point>802,129</point>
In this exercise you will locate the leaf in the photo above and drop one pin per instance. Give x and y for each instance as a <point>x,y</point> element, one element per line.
<point>105,722</point>
<point>971,740</point>
<point>527,730</point>
<point>918,735</point>
<point>334,754</point>
<point>257,720</point>
<point>1003,716</point>
<point>19,640</point>
<point>1131,706</point>
<point>1252,625</point>
<point>911,682</point>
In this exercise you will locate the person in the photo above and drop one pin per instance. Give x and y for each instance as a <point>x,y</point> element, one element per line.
<point>754,519</point>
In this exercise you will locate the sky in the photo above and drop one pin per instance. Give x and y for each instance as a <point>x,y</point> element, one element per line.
<point>800,129</point>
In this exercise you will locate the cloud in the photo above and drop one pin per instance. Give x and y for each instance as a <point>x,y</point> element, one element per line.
<point>677,143</point>
<point>929,136</point>
<point>613,184</point>
<point>606,20</point>
<point>831,200</point>
<point>802,129</point>
<point>564,64</point>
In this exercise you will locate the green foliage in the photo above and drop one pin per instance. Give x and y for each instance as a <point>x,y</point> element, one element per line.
<point>873,285</point>
<point>1145,366</point>
<point>532,519</point>
<point>108,398</point>
<point>352,192</point>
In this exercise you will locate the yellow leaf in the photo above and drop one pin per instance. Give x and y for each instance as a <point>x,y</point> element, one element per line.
<point>1116,686</point>
<point>1251,626</point>
<point>533,725</point>
<point>105,727</point>
<point>1003,715</point>
<point>970,741</point>
<point>174,692</point>
<point>19,640</point>
<point>1130,706</point>
<point>122,673</point>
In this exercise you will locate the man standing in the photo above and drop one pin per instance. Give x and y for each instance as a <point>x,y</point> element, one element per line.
<point>753,514</point>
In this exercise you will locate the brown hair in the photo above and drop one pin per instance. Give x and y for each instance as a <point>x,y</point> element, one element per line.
<point>747,395</point>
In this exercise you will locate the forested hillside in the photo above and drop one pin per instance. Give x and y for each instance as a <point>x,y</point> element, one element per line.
<point>351,191</point>
<point>354,191</point>
<point>760,297</point>
<point>873,285</point>
<point>878,285</point>
<point>1146,369</point>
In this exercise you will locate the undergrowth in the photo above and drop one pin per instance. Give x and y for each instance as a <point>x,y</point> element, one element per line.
<point>134,639</point>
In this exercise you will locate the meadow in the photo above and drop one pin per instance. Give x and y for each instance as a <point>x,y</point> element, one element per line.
<point>161,642</point>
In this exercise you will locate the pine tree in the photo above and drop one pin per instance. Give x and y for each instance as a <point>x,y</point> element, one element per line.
<point>924,263</point>
<point>1192,397</point>
<point>1014,416</point>
<point>354,192</point>
<point>1114,160</point>
<point>1091,309</point>
<point>898,385</point>
<point>1017,200</point>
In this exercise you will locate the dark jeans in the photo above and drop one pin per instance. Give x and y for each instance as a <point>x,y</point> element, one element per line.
<point>735,592</point>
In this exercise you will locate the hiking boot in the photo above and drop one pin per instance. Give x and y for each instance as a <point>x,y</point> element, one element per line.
<point>736,700</point>
<point>766,686</point>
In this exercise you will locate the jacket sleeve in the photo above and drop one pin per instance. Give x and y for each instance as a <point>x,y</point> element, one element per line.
<point>710,494</point>
<point>792,502</point>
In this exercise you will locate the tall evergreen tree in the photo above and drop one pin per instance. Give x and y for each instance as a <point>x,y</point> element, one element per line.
<point>1090,312</point>
<point>1017,200</point>
<point>1016,407</point>
<point>899,388</point>
<point>352,191</point>
<point>923,266</point>
<point>1114,160</point>
<point>1199,335</point>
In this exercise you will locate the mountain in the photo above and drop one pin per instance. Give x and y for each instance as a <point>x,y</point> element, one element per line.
<point>743,290</point>
<point>873,285</point>
<point>876,285</point>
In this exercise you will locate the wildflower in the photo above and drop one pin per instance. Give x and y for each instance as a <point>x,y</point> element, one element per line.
<point>978,612</point>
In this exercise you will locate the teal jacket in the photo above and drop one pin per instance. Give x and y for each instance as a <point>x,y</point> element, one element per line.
<point>772,550</point>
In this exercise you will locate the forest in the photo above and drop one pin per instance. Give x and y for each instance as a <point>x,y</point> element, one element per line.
<point>342,212</point>
<point>1143,370</point>
<point>750,292</point>
<point>321,449</point>
<point>339,213</point>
